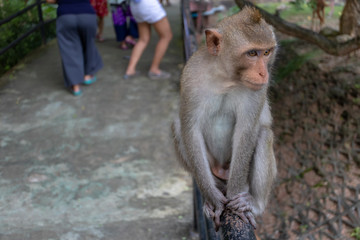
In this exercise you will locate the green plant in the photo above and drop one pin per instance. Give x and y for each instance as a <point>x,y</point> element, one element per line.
<point>298,8</point>
<point>18,26</point>
<point>356,233</point>
<point>293,65</point>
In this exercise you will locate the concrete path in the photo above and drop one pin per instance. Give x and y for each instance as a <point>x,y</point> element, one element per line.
<point>99,166</point>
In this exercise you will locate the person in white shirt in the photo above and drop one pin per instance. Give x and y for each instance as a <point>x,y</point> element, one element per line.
<point>149,13</point>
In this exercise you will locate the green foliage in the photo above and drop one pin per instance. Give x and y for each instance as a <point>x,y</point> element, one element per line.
<point>294,64</point>
<point>312,4</point>
<point>298,8</point>
<point>303,228</point>
<point>233,10</point>
<point>269,6</point>
<point>20,25</point>
<point>356,233</point>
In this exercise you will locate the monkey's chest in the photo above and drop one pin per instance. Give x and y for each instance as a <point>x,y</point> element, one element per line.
<point>218,135</point>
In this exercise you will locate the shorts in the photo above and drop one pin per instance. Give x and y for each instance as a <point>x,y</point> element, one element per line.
<point>100,7</point>
<point>150,11</point>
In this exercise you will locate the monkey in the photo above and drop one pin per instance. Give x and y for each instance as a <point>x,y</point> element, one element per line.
<point>222,134</point>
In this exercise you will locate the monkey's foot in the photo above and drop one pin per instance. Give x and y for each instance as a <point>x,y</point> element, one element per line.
<point>242,205</point>
<point>213,213</point>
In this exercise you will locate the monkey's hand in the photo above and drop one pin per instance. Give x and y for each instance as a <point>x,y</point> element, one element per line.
<point>214,212</point>
<point>242,205</point>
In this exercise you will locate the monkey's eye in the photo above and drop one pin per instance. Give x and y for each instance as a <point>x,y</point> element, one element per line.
<point>267,52</point>
<point>252,53</point>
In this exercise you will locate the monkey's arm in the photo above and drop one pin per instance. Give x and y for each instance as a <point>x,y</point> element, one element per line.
<point>263,170</point>
<point>262,173</point>
<point>196,160</point>
<point>254,168</point>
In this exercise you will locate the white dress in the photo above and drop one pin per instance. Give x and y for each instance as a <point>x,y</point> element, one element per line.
<point>149,11</point>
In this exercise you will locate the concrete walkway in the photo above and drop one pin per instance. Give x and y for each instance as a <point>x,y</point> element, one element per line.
<point>99,166</point>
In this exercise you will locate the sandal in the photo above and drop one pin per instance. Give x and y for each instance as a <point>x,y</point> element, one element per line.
<point>131,42</point>
<point>161,75</point>
<point>128,77</point>
<point>100,38</point>
<point>90,81</point>
<point>123,47</point>
<point>75,93</point>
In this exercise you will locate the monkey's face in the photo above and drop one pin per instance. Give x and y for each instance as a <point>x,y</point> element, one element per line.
<point>252,67</point>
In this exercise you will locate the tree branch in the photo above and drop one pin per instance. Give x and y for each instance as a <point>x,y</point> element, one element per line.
<point>328,45</point>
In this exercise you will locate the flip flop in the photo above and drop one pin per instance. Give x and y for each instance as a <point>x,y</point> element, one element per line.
<point>132,42</point>
<point>161,75</point>
<point>77,93</point>
<point>123,47</point>
<point>128,77</point>
<point>90,81</point>
<point>99,38</point>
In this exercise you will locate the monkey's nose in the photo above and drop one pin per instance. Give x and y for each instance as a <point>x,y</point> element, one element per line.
<point>263,74</point>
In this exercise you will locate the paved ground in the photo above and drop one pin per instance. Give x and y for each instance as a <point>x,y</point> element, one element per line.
<point>99,166</point>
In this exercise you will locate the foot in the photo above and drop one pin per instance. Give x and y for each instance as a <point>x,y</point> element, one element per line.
<point>131,76</point>
<point>75,90</point>
<point>214,211</point>
<point>89,80</point>
<point>242,205</point>
<point>130,41</point>
<point>124,46</point>
<point>99,38</point>
<point>161,75</point>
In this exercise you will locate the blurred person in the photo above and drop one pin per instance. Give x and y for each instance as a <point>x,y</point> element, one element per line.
<point>101,10</point>
<point>167,2</point>
<point>75,31</point>
<point>121,15</point>
<point>149,13</point>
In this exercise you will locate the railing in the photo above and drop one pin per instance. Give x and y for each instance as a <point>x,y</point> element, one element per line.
<point>40,25</point>
<point>232,227</point>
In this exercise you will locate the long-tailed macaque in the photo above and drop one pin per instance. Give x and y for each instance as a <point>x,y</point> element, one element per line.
<point>223,134</point>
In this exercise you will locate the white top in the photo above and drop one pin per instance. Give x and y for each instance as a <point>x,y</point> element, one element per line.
<point>116,1</point>
<point>150,11</point>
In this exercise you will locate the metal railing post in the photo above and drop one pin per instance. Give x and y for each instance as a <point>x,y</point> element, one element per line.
<point>40,25</point>
<point>41,21</point>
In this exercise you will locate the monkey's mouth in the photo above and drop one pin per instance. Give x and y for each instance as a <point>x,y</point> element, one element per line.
<point>254,86</point>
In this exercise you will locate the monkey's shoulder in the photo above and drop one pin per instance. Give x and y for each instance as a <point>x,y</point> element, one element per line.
<point>200,62</point>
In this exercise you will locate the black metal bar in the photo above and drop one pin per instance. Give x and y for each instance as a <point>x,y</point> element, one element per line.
<point>15,42</point>
<point>186,28</point>
<point>200,217</point>
<point>41,22</point>
<point>233,228</point>
<point>24,10</point>
<point>213,235</point>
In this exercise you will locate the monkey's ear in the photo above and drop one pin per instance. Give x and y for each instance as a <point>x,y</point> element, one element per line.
<point>213,41</point>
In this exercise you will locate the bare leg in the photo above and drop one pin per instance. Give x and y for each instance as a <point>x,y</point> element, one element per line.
<point>144,38</point>
<point>100,28</point>
<point>163,29</point>
<point>87,77</point>
<point>75,89</point>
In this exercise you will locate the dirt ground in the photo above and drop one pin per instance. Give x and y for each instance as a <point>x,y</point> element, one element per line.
<point>317,125</point>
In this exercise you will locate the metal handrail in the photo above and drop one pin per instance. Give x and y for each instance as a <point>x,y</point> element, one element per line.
<point>40,25</point>
<point>189,39</point>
